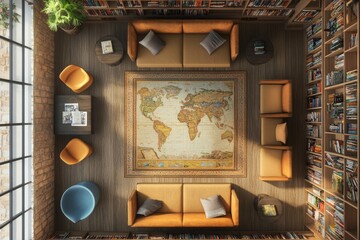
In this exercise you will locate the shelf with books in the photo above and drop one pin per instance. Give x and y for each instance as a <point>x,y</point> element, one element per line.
<point>268,4</point>
<point>318,192</point>
<point>334,162</point>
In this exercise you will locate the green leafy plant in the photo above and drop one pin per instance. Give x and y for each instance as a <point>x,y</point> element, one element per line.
<point>5,14</point>
<point>65,14</point>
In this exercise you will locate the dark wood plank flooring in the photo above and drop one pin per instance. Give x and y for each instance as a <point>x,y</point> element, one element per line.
<point>106,165</point>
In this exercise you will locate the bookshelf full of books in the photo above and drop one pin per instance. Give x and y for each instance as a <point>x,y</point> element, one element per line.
<point>116,9</point>
<point>332,119</point>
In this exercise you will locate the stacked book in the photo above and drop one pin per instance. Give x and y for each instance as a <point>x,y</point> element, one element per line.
<point>216,4</point>
<point>353,40</point>
<point>351,145</point>
<point>337,19</point>
<point>314,43</point>
<point>317,58</point>
<point>336,44</point>
<point>339,61</point>
<point>313,130</point>
<point>314,28</point>
<point>351,75</point>
<point>306,15</point>
<point>315,201</point>
<point>314,176</point>
<point>334,77</point>
<point>313,117</point>
<point>313,146</point>
<point>259,48</point>
<point>352,183</point>
<point>333,161</point>
<point>351,128</point>
<point>269,12</point>
<point>336,127</point>
<point>351,166</point>
<point>313,161</point>
<point>314,74</point>
<point>337,183</point>
<point>314,102</point>
<point>337,146</point>
<point>267,3</point>
<point>235,3</point>
<point>316,88</point>
<point>351,101</point>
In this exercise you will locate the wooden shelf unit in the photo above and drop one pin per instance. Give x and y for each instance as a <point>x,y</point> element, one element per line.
<point>339,156</point>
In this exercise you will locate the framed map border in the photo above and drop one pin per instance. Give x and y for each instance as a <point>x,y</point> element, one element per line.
<point>130,128</point>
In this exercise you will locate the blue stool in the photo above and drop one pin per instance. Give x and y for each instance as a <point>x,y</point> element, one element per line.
<point>79,200</point>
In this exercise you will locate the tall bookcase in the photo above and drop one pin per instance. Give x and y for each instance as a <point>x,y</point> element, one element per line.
<point>332,178</point>
<point>117,9</point>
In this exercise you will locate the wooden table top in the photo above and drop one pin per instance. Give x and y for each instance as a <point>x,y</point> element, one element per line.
<point>111,59</point>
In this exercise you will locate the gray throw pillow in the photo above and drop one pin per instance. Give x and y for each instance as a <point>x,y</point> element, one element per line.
<point>212,42</point>
<point>213,207</point>
<point>149,207</point>
<point>152,42</point>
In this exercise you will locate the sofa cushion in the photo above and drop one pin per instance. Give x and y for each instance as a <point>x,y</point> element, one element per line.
<point>152,43</point>
<point>270,98</point>
<point>193,193</point>
<point>149,207</point>
<point>169,56</point>
<point>287,163</point>
<point>196,56</point>
<point>212,42</point>
<point>159,220</point>
<point>169,194</point>
<point>168,26</point>
<point>270,162</point>
<point>281,132</point>
<point>212,206</point>
<point>200,220</point>
<point>205,26</point>
<point>268,131</point>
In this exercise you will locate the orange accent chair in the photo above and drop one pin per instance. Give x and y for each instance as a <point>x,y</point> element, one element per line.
<point>275,163</point>
<point>75,151</point>
<point>76,78</point>
<point>275,98</point>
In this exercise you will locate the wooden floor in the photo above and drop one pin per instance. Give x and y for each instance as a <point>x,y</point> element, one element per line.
<point>106,165</point>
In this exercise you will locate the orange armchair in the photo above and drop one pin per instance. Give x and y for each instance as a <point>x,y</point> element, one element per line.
<point>76,78</point>
<point>75,151</point>
<point>275,98</point>
<point>275,163</point>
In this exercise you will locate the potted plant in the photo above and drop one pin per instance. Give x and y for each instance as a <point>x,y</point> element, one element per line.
<point>5,14</point>
<point>65,14</point>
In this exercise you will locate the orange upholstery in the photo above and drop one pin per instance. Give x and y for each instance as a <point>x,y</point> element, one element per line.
<point>159,220</point>
<point>275,164</point>
<point>235,208</point>
<point>205,26</point>
<point>76,78</point>
<point>75,151</point>
<point>132,42</point>
<point>132,208</point>
<point>234,42</point>
<point>168,26</point>
<point>200,220</point>
<point>275,98</point>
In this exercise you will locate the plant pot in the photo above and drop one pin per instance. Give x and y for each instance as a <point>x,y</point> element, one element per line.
<point>71,30</point>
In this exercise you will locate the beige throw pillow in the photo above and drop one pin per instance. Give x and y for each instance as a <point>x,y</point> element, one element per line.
<point>281,132</point>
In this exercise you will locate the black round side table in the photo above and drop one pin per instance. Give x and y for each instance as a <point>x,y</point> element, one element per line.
<point>263,199</point>
<point>257,59</point>
<point>113,58</point>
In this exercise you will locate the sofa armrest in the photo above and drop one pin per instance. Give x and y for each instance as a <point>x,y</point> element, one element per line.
<point>274,179</point>
<point>234,42</point>
<point>132,42</point>
<point>276,115</point>
<point>132,207</point>
<point>235,208</point>
<point>274,81</point>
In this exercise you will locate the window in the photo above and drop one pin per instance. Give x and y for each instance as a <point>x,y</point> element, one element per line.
<point>16,40</point>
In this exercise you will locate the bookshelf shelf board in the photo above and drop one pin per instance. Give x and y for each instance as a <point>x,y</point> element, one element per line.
<point>314,138</point>
<point>314,94</point>
<point>314,108</point>
<point>333,133</point>
<point>336,34</point>
<point>314,153</point>
<point>332,168</point>
<point>322,212</point>
<point>167,8</point>
<point>315,168</point>
<point>329,6</point>
<point>315,66</point>
<point>350,134</point>
<point>314,122</point>
<point>315,184</point>
<point>352,49</point>
<point>335,86</point>
<point>341,155</point>
<point>335,194</point>
<point>351,28</point>
<point>310,216</point>
<point>315,35</point>
<point>334,53</point>
<point>350,82</point>
<point>351,203</point>
<point>314,81</point>
<point>315,50</point>
<point>351,233</point>
<point>102,7</point>
<point>309,191</point>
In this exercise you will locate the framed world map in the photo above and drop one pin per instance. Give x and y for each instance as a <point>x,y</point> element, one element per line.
<point>185,124</point>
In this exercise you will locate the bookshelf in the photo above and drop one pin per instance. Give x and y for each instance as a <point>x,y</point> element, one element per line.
<point>132,9</point>
<point>338,126</point>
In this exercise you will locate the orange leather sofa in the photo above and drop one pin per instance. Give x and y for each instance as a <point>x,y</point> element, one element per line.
<point>75,151</point>
<point>76,78</point>
<point>181,205</point>
<point>275,163</point>
<point>182,39</point>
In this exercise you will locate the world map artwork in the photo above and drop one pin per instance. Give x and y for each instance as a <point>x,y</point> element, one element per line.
<point>185,124</point>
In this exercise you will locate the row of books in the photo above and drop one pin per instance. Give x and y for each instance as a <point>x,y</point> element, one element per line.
<point>313,59</point>
<point>336,44</point>
<point>314,102</point>
<point>313,146</point>
<point>337,182</point>
<point>313,161</point>
<point>335,203</point>
<point>351,75</point>
<point>268,3</point>
<point>313,74</point>
<point>352,187</point>
<point>351,128</point>
<point>314,28</point>
<point>351,145</point>
<point>316,214</point>
<point>351,101</point>
<point>314,131</point>
<point>315,201</point>
<point>313,89</point>
<point>333,78</point>
<point>268,12</point>
<point>337,146</point>
<point>104,12</point>
<point>334,24</point>
<point>170,3</point>
<point>351,166</point>
<point>339,61</point>
<point>353,40</point>
<point>314,176</point>
<point>337,127</point>
<point>196,3</point>
<point>337,8</point>
<point>96,3</point>
<point>334,161</point>
<point>306,15</point>
<point>313,116</point>
<point>313,43</point>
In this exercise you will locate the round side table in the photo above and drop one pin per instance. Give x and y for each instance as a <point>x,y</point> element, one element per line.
<point>263,199</point>
<point>113,58</point>
<point>261,58</point>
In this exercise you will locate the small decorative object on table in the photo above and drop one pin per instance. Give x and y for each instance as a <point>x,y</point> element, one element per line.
<point>106,47</point>
<point>259,51</point>
<point>268,208</point>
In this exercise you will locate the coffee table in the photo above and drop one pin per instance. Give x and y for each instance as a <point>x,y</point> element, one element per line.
<point>111,59</point>
<point>84,102</point>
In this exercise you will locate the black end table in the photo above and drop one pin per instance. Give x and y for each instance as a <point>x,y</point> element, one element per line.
<point>84,102</point>
<point>263,199</point>
<point>261,58</point>
<point>111,59</point>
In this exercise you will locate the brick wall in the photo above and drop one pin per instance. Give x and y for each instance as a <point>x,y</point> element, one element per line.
<point>43,126</point>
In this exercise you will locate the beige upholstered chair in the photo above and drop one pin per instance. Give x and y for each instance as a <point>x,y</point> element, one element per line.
<point>272,130</point>
<point>275,163</point>
<point>275,98</point>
